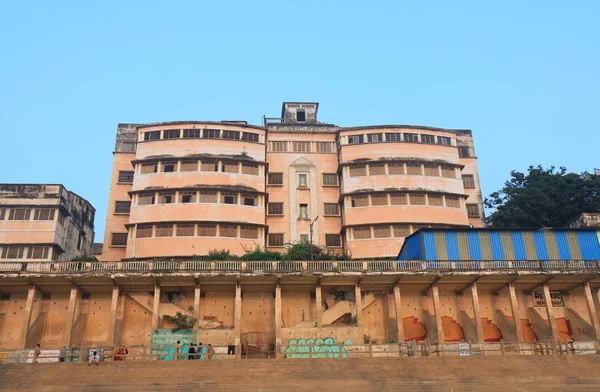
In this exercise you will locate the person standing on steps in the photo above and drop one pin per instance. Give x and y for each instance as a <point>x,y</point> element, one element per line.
<point>177,350</point>
<point>210,351</point>
<point>191,352</point>
<point>201,350</point>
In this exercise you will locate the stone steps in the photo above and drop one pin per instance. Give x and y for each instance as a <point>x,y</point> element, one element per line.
<point>534,373</point>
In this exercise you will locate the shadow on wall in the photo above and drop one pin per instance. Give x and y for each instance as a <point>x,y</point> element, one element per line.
<point>321,348</point>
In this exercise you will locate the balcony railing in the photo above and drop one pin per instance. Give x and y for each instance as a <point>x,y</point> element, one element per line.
<point>297,266</point>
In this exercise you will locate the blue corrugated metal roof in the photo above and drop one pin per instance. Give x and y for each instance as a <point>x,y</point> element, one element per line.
<point>474,245</point>
<point>539,239</point>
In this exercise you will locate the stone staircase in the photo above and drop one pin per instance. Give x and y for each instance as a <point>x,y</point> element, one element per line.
<point>494,373</point>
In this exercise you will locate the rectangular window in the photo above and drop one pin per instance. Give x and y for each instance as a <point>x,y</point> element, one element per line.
<point>445,141</point>
<point>275,240</point>
<point>275,179</point>
<point>185,230</point>
<point>250,137</point>
<point>431,169</point>
<point>249,232</point>
<point>208,197</point>
<point>128,147</point>
<point>144,231</point>
<point>435,200</point>
<point>169,166</point>
<point>144,200</point>
<point>448,171</point>
<point>301,146</point>
<point>38,252</point>
<point>230,167</point>
<point>171,133</point>
<point>164,230</point>
<point>382,231</point>
<point>61,218</point>
<point>211,133</point>
<point>191,133</point>
<point>395,137</point>
<point>303,180</point>
<point>250,168</point>
<point>2,213</point>
<point>356,139</point>
<point>300,115</point>
<point>411,137</point>
<point>233,135</point>
<point>279,146</point>
<point>19,214</point>
<point>330,179</point>
<point>401,230</point>
<point>357,171</point>
<point>275,209</point>
<point>464,152</point>
<point>229,198</point>
<point>118,239</point>
<point>166,198</point>
<point>398,199</point>
<point>250,200</point>
<point>187,197</point>
<point>189,166</point>
<point>429,139</point>
<point>153,135</point>
<point>379,200</point>
<point>303,211</point>
<point>149,168</point>
<point>122,207</point>
<point>332,209</point>
<point>468,181</point>
<point>360,233</point>
<point>228,231</point>
<point>375,137</point>
<point>417,199</point>
<point>323,146</point>
<point>207,230</point>
<point>125,177</point>
<point>360,201</point>
<point>211,166</point>
<point>376,169</point>
<point>43,214</point>
<point>13,252</point>
<point>395,168</point>
<point>452,202</point>
<point>473,210</point>
<point>333,240</point>
<point>413,168</point>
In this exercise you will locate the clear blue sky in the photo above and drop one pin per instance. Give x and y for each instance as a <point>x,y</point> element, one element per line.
<point>524,77</point>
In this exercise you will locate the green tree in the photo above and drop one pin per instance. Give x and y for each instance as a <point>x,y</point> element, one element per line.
<point>543,198</point>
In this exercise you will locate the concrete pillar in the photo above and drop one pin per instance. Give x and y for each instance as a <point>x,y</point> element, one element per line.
<point>277,319</point>
<point>114,312</point>
<point>437,308</point>
<point>358,295</point>
<point>156,308</point>
<point>197,294</point>
<point>591,309</point>
<point>514,308</point>
<point>551,319</point>
<point>398,302</point>
<point>319,304</point>
<point>66,341</point>
<point>477,313</point>
<point>31,293</point>
<point>237,320</point>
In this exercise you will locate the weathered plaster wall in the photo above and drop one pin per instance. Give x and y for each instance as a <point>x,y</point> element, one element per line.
<point>137,324</point>
<point>11,322</point>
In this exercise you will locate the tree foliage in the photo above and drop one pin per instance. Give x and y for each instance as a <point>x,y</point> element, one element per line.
<point>543,198</point>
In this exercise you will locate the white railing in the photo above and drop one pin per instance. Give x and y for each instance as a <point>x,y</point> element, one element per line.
<point>371,266</point>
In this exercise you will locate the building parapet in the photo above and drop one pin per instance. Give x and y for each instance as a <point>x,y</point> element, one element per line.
<point>292,267</point>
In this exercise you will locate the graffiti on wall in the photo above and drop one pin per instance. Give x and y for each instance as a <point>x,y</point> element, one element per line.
<point>321,348</point>
<point>165,340</point>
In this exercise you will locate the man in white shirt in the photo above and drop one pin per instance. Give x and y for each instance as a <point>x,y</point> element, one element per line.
<point>94,358</point>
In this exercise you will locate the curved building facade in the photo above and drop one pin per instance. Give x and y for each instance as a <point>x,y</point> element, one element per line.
<point>181,189</point>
